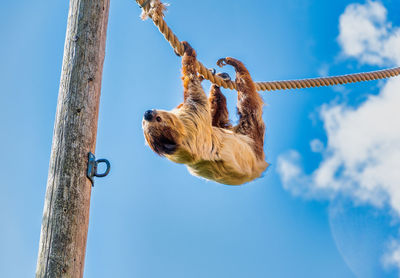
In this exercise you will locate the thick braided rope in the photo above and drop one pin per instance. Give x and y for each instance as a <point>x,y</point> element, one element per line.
<point>158,19</point>
<point>327,81</point>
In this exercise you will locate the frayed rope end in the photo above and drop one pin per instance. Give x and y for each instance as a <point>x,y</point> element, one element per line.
<point>154,9</point>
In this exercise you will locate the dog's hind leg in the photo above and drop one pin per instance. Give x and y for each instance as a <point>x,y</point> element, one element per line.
<point>249,106</point>
<point>219,111</point>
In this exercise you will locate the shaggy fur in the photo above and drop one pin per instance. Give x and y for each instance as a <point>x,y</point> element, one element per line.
<point>198,132</point>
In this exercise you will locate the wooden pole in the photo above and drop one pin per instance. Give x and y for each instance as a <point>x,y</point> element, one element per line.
<point>66,209</point>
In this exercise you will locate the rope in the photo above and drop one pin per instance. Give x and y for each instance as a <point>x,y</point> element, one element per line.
<point>154,9</point>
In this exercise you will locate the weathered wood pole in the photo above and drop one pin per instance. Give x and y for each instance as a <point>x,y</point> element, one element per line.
<point>66,209</point>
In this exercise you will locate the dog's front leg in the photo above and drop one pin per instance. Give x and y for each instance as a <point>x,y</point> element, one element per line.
<point>193,93</point>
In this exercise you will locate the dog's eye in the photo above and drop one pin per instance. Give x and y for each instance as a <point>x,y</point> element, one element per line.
<point>158,118</point>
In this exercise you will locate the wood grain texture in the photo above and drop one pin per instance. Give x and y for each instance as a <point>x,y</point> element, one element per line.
<point>66,209</point>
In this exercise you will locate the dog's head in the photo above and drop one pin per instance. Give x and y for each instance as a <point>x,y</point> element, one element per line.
<point>163,131</point>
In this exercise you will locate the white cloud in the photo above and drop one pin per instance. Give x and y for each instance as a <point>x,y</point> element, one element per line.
<point>361,159</point>
<point>362,153</point>
<point>293,179</point>
<point>323,70</point>
<point>392,257</point>
<point>366,35</point>
<point>316,145</point>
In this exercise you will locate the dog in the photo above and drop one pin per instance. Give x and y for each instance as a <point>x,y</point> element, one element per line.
<point>198,133</point>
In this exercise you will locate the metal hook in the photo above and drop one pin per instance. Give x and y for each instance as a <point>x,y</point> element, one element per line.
<point>92,167</point>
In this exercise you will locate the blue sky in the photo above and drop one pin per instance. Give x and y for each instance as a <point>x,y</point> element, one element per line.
<point>150,217</point>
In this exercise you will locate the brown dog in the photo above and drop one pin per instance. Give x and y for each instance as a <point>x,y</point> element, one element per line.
<point>198,133</point>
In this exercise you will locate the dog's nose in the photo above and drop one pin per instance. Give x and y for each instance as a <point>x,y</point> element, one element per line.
<point>149,115</point>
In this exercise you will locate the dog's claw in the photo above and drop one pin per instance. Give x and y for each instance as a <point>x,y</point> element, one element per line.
<point>224,76</point>
<point>176,53</point>
<point>187,48</point>
<point>221,62</point>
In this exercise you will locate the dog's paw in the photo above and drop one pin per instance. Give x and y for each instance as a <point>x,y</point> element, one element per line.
<point>224,76</point>
<point>221,62</point>
<point>188,50</point>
